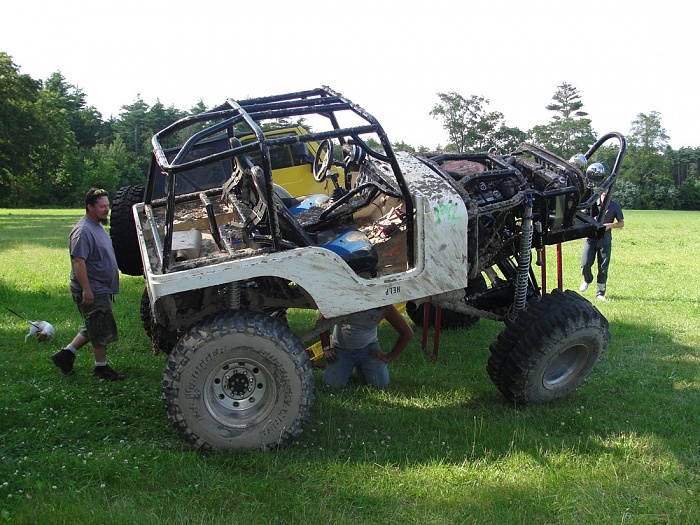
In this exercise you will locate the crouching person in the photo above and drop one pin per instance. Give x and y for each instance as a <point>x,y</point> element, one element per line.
<point>355,346</point>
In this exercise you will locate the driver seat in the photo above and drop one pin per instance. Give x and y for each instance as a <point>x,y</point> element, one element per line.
<point>356,250</point>
<point>351,245</point>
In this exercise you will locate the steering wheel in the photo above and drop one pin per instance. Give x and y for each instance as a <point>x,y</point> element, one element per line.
<point>321,167</point>
<point>374,187</point>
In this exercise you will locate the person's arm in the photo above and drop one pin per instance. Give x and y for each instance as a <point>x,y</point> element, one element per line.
<point>614,224</point>
<point>80,272</point>
<point>618,220</point>
<point>399,323</point>
<point>328,353</point>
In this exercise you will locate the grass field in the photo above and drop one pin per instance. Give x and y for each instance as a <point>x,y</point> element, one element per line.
<point>439,446</point>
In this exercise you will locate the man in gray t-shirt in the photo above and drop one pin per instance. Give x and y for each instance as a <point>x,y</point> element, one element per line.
<point>94,279</point>
<point>90,242</point>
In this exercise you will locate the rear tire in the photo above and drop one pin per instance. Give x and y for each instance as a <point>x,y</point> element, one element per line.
<point>549,349</point>
<point>238,380</point>
<point>159,337</point>
<point>122,230</point>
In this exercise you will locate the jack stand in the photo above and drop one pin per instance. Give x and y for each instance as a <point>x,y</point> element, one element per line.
<point>436,333</point>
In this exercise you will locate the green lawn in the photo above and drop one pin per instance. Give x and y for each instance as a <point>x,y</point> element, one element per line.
<point>439,446</point>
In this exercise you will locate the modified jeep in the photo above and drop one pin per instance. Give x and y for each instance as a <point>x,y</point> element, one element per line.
<point>453,236</point>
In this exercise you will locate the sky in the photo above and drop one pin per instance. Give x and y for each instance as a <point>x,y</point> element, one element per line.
<point>391,58</point>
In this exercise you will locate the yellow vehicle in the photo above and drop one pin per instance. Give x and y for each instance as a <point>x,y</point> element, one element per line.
<point>292,164</point>
<point>299,169</point>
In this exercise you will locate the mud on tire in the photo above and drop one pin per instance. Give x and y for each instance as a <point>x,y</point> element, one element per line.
<point>238,380</point>
<point>549,349</point>
<point>122,230</point>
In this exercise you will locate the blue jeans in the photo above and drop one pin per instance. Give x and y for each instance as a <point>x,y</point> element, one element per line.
<point>372,371</point>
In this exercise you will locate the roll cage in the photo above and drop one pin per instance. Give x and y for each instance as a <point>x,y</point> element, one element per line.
<point>236,118</point>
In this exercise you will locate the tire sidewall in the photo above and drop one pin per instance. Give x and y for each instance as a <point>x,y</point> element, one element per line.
<point>592,338</point>
<point>531,342</point>
<point>122,230</point>
<point>284,365</point>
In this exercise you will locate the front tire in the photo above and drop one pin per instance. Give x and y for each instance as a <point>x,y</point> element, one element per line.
<point>238,380</point>
<point>549,349</point>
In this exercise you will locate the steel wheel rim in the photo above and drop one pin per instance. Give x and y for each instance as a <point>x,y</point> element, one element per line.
<point>565,367</point>
<point>239,392</point>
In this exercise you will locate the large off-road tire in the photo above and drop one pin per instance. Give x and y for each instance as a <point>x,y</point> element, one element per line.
<point>159,337</point>
<point>449,319</point>
<point>122,229</point>
<point>549,349</point>
<point>145,311</point>
<point>238,380</point>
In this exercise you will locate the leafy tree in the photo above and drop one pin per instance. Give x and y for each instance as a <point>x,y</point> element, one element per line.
<point>84,120</point>
<point>18,127</point>
<point>138,122</point>
<point>683,164</point>
<point>199,107</point>
<point>690,194</point>
<point>469,126</point>
<point>132,126</point>
<point>402,146</point>
<point>647,167</point>
<point>159,117</point>
<point>116,158</point>
<point>374,144</point>
<point>508,139</point>
<point>626,194</point>
<point>648,134</point>
<point>56,166</point>
<point>568,132</point>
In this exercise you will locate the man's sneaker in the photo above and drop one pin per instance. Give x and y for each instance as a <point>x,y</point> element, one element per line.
<point>600,297</point>
<point>106,373</point>
<point>583,287</point>
<point>63,359</point>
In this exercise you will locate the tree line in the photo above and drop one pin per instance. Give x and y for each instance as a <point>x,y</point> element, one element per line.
<point>653,175</point>
<point>54,146</point>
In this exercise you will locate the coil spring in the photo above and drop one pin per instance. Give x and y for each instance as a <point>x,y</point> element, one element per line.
<point>524,259</point>
<point>233,296</point>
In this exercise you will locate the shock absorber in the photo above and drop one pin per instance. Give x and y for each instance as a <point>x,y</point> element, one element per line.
<point>524,258</point>
<point>233,296</point>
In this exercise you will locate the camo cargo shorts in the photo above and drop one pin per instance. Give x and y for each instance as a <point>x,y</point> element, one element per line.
<point>100,326</point>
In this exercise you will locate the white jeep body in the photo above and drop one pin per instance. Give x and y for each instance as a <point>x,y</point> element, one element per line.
<point>441,254</point>
<point>224,263</point>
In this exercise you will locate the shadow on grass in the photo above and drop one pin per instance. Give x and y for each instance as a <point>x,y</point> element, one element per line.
<point>449,412</point>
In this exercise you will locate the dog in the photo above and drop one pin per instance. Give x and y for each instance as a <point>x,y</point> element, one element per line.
<point>42,329</point>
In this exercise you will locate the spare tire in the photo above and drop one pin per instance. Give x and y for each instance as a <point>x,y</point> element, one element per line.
<point>122,230</point>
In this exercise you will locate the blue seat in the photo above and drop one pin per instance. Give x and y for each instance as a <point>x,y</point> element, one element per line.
<point>354,248</point>
<point>301,204</point>
<point>351,245</point>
